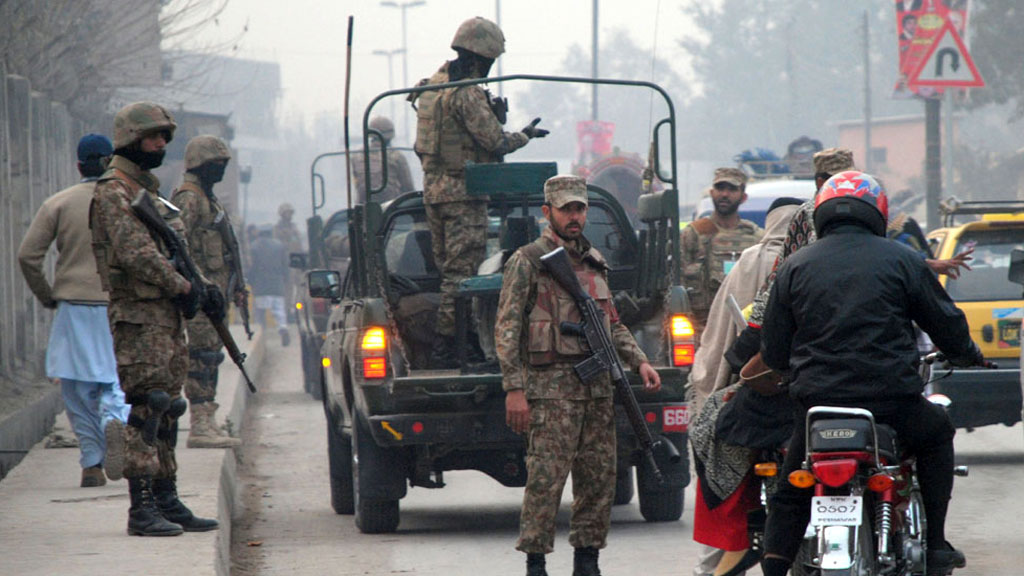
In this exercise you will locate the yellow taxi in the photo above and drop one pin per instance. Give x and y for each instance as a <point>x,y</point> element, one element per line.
<point>994,307</point>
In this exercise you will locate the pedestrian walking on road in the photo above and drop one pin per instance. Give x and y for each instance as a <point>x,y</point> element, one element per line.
<point>80,353</point>
<point>269,279</point>
<point>569,425</point>
<point>147,297</point>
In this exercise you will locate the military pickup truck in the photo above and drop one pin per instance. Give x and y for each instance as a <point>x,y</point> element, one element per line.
<point>394,423</point>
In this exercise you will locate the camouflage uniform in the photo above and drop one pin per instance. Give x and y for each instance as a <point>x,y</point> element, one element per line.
<point>286,231</point>
<point>709,252</point>
<point>456,126</point>
<point>571,424</point>
<point>399,176</point>
<point>149,331</point>
<point>210,237</point>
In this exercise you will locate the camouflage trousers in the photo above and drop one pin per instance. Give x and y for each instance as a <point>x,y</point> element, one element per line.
<point>204,359</point>
<point>564,436</point>
<point>458,233</point>
<point>150,358</point>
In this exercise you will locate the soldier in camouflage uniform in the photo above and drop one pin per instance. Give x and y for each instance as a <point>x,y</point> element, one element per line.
<point>148,328</point>
<point>712,245</point>
<point>455,126</point>
<point>569,425</point>
<point>399,176</point>
<point>213,246</point>
<point>286,231</point>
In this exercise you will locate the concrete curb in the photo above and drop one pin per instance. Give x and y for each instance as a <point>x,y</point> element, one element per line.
<point>22,429</point>
<point>228,497</point>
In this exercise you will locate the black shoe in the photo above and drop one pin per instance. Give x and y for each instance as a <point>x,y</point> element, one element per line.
<point>144,517</point>
<point>535,565</point>
<point>165,491</point>
<point>584,562</point>
<point>943,562</point>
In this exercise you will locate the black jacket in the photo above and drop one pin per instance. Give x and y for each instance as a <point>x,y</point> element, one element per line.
<point>838,320</point>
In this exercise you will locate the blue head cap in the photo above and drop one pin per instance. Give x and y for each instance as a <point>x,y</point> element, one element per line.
<point>94,146</point>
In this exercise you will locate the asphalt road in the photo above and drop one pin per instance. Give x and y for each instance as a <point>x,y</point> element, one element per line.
<point>470,526</point>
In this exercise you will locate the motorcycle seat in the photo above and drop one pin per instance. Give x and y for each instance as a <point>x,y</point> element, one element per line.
<point>853,435</point>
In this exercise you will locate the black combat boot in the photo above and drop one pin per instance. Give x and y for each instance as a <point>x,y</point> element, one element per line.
<point>166,493</point>
<point>144,518</point>
<point>442,356</point>
<point>584,562</point>
<point>535,565</point>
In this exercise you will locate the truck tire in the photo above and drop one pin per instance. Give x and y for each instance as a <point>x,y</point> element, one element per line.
<point>624,487</point>
<point>315,379</point>
<point>373,515</point>
<point>659,505</point>
<point>339,458</point>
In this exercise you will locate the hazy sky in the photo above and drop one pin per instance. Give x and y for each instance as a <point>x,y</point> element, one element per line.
<point>308,38</point>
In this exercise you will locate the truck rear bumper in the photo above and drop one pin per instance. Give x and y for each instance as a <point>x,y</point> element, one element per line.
<point>981,397</point>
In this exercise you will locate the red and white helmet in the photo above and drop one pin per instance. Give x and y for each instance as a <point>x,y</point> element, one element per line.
<point>851,196</point>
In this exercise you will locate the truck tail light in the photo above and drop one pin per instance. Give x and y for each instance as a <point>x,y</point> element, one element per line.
<point>683,346</point>
<point>375,339</point>
<point>376,367</point>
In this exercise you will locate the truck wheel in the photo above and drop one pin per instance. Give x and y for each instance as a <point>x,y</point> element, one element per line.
<point>373,516</point>
<point>624,488</point>
<point>339,457</point>
<point>659,505</point>
<point>315,380</point>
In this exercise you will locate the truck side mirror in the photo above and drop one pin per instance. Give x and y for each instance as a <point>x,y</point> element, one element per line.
<point>298,260</point>
<point>1016,273</point>
<point>324,284</point>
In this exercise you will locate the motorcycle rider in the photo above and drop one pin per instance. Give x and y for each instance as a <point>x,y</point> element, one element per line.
<point>839,325</point>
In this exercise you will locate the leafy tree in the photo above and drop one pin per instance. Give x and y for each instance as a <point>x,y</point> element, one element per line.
<point>997,46</point>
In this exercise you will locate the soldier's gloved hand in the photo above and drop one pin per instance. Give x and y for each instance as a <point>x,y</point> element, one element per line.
<point>743,349</point>
<point>532,131</point>
<point>214,305</point>
<point>189,302</point>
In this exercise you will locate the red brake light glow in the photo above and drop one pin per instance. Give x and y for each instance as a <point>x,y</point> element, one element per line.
<point>835,473</point>
<point>682,354</point>
<point>374,368</point>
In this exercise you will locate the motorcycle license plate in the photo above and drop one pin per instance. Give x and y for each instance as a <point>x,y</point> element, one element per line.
<point>836,510</point>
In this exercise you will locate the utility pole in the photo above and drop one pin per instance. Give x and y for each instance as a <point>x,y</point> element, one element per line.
<point>403,6</point>
<point>391,79</point>
<point>933,160</point>
<point>867,94</point>
<point>593,67</point>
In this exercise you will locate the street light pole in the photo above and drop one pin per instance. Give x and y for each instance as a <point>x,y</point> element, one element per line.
<point>391,79</point>
<point>403,6</point>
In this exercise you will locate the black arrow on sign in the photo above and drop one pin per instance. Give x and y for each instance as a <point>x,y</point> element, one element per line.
<point>941,56</point>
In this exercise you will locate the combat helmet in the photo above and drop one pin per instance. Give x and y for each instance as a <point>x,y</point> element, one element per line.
<point>480,36</point>
<point>205,148</point>
<point>383,125</point>
<point>139,119</point>
<point>285,208</point>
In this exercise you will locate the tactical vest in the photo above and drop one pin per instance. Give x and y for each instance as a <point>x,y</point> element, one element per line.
<point>717,248</point>
<point>206,243</point>
<point>545,342</point>
<point>442,143</point>
<point>113,278</point>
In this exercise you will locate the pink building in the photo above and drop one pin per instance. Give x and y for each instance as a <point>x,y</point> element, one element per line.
<point>897,149</point>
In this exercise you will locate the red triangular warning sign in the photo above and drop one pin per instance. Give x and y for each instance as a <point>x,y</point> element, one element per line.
<point>947,63</point>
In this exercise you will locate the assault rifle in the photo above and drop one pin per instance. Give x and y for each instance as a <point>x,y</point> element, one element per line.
<point>147,212</point>
<point>236,281</point>
<point>604,358</point>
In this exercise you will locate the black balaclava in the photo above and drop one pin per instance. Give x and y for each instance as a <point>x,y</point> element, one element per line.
<point>469,65</point>
<point>144,160</point>
<point>210,173</point>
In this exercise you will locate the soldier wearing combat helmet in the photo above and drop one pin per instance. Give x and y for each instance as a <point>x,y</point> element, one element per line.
<point>146,321</point>
<point>711,245</point>
<point>569,426</point>
<point>455,126</point>
<point>213,246</point>
<point>399,176</point>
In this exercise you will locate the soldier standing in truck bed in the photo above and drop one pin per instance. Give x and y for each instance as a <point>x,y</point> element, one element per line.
<point>712,245</point>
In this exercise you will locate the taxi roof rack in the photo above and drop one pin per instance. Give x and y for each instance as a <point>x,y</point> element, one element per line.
<point>953,206</point>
